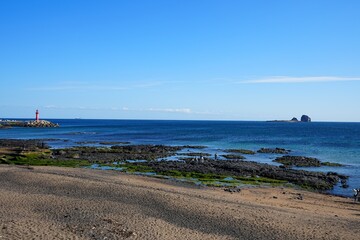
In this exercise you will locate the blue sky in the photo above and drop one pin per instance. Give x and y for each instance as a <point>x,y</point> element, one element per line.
<point>189,59</point>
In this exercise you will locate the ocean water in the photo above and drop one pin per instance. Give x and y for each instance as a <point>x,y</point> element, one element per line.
<point>332,142</point>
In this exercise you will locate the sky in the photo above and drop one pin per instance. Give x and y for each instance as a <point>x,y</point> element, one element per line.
<point>180,59</point>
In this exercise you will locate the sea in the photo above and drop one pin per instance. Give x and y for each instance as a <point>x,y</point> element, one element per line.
<point>336,142</point>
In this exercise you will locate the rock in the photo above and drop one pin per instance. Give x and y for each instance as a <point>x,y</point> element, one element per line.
<point>232,189</point>
<point>242,151</point>
<point>294,119</point>
<point>233,156</point>
<point>274,150</point>
<point>306,179</point>
<point>30,144</point>
<point>117,153</point>
<point>298,161</point>
<point>305,118</point>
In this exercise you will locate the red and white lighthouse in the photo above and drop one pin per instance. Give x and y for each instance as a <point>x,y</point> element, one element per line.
<point>37,115</point>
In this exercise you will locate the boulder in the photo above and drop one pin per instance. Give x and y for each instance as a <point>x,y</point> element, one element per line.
<point>305,118</point>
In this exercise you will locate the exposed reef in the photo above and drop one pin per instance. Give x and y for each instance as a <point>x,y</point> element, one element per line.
<point>306,179</point>
<point>242,151</point>
<point>274,150</point>
<point>36,152</point>
<point>300,161</point>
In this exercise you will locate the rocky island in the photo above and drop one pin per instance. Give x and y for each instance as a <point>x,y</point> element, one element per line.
<point>304,118</point>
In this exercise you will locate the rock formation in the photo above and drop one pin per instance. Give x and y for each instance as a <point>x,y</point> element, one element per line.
<point>274,150</point>
<point>305,118</point>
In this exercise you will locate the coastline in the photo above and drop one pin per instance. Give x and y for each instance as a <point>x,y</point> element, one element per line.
<point>176,163</point>
<point>60,203</point>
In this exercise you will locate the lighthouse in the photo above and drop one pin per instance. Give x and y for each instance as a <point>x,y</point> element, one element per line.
<point>37,115</point>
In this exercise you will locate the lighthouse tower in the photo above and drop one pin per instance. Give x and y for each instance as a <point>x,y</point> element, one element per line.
<point>37,115</point>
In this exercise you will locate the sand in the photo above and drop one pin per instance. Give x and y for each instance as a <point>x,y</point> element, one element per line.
<point>67,203</point>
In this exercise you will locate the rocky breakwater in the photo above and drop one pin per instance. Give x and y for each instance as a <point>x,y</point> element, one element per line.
<point>3,127</point>
<point>35,124</point>
<point>40,124</point>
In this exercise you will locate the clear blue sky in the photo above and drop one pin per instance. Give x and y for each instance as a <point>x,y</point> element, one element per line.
<point>188,59</point>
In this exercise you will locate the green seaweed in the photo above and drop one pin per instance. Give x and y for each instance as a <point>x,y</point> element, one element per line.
<point>41,159</point>
<point>137,168</point>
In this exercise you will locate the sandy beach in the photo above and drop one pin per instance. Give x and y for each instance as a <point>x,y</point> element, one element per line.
<point>73,203</point>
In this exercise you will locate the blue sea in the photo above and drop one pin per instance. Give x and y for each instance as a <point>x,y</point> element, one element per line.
<point>329,142</point>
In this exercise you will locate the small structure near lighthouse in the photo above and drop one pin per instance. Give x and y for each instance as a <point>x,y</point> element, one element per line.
<point>37,115</point>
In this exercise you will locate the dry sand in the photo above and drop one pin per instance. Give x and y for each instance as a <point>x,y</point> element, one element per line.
<point>66,203</point>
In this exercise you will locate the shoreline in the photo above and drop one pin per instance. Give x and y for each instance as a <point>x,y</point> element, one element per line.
<point>192,164</point>
<point>62,203</point>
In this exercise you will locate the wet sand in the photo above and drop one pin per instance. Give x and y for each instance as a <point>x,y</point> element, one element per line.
<point>68,203</point>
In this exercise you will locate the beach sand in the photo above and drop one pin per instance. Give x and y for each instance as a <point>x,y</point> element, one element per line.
<point>68,203</point>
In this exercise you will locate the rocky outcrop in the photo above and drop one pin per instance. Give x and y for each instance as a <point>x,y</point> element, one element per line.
<point>298,161</point>
<point>305,118</point>
<point>40,124</point>
<point>274,150</point>
<point>30,144</point>
<point>117,153</point>
<point>306,179</point>
<point>242,151</point>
